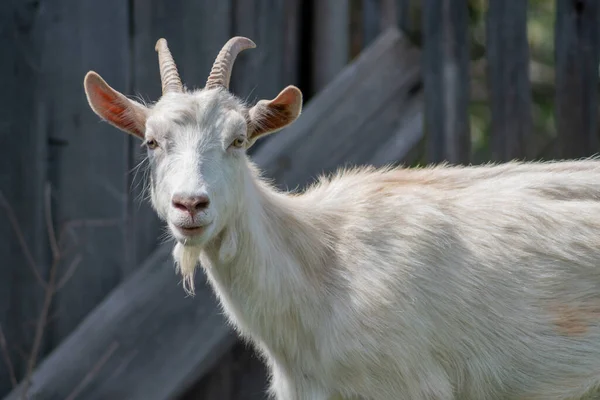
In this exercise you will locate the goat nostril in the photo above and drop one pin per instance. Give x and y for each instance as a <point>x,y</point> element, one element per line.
<point>191,204</point>
<point>178,204</point>
<point>202,203</point>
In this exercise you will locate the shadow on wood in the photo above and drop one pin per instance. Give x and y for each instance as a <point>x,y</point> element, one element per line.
<point>147,340</point>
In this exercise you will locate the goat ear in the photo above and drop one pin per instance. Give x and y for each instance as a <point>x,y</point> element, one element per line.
<point>269,116</point>
<point>113,107</point>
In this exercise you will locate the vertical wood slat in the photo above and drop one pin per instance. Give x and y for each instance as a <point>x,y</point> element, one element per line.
<point>331,40</point>
<point>508,79</point>
<point>195,32</point>
<point>372,20</point>
<point>378,15</point>
<point>402,14</point>
<point>23,162</point>
<point>89,168</point>
<point>576,57</point>
<point>262,72</point>
<point>446,80</point>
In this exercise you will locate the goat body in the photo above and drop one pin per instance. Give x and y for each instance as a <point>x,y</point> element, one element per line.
<point>437,283</point>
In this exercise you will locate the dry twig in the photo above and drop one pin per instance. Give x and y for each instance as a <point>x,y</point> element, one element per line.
<point>48,295</point>
<point>51,286</point>
<point>12,217</point>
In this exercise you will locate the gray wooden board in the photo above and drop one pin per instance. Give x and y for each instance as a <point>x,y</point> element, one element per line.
<point>89,168</point>
<point>508,79</point>
<point>165,341</point>
<point>446,80</point>
<point>195,32</point>
<point>577,55</point>
<point>23,156</point>
<point>154,339</point>
<point>351,117</point>
<point>262,72</point>
<point>330,42</point>
<point>372,20</point>
<point>240,375</point>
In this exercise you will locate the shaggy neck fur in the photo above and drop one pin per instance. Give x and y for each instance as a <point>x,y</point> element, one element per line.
<point>272,249</point>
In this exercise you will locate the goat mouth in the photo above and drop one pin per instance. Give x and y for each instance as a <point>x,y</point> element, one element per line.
<point>190,230</point>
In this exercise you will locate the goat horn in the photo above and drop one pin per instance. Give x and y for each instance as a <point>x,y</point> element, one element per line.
<point>169,76</point>
<point>220,73</point>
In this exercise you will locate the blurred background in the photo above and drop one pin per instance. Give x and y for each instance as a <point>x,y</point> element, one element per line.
<point>90,305</point>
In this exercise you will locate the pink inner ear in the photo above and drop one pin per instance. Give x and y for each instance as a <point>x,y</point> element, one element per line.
<point>109,105</point>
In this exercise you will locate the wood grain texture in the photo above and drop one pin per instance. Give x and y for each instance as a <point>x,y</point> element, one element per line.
<point>446,79</point>
<point>331,41</point>
<point>145,341</point>
<point>262,72</point>
<point>89,168</point>
<point>154,341</point>
<point>23,162</point>
<point>347,122</point>
<point>372,13</point>
<point>577,55</point>
<point>508,80</point>
<point>379,15</point>
<point>240,375</point>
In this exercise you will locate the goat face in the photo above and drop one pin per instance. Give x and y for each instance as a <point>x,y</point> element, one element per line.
<point>196,149</point>
<point>196,140</point>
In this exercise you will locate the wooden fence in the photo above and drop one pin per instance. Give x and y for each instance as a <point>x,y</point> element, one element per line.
<point>72,224</point>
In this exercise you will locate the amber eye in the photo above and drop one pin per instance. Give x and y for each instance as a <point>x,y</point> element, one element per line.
<point>152,144</point>
<point>239,142</point>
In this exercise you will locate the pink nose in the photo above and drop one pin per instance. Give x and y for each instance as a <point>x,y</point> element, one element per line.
<point>191,204</point>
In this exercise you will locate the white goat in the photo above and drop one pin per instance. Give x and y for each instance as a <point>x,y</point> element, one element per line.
<point>442,283</point>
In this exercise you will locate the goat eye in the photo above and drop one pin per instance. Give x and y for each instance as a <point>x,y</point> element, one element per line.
<point>152,144</point>
<point>239,142</point>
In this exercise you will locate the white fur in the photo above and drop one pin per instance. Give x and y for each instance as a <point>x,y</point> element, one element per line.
<point>438,283</point>
<point>445,283</point>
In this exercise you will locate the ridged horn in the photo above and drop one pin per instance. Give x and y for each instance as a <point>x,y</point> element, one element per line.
<point>220,73</point>
<point>169,76</point>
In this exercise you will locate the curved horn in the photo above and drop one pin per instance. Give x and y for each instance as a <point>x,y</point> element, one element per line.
<point>221,70</point>
<point>169,76</point>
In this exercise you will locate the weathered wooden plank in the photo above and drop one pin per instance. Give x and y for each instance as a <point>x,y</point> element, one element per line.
<point>147,321</point>
<point>446,79</point>
<point>88,163</point>
<point>576,56</point>
<point>240,375</point>
<point>265,70</point>
<point>331,41</point>
<point>148,327</point>
<point>195,31</point>
<point>262,72</point>
<point>23,155</point>
<point>402,14</point>
<point>508,79</point>
<point>378,15</point>
<point>372,20</point>
<point>384,79</point>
